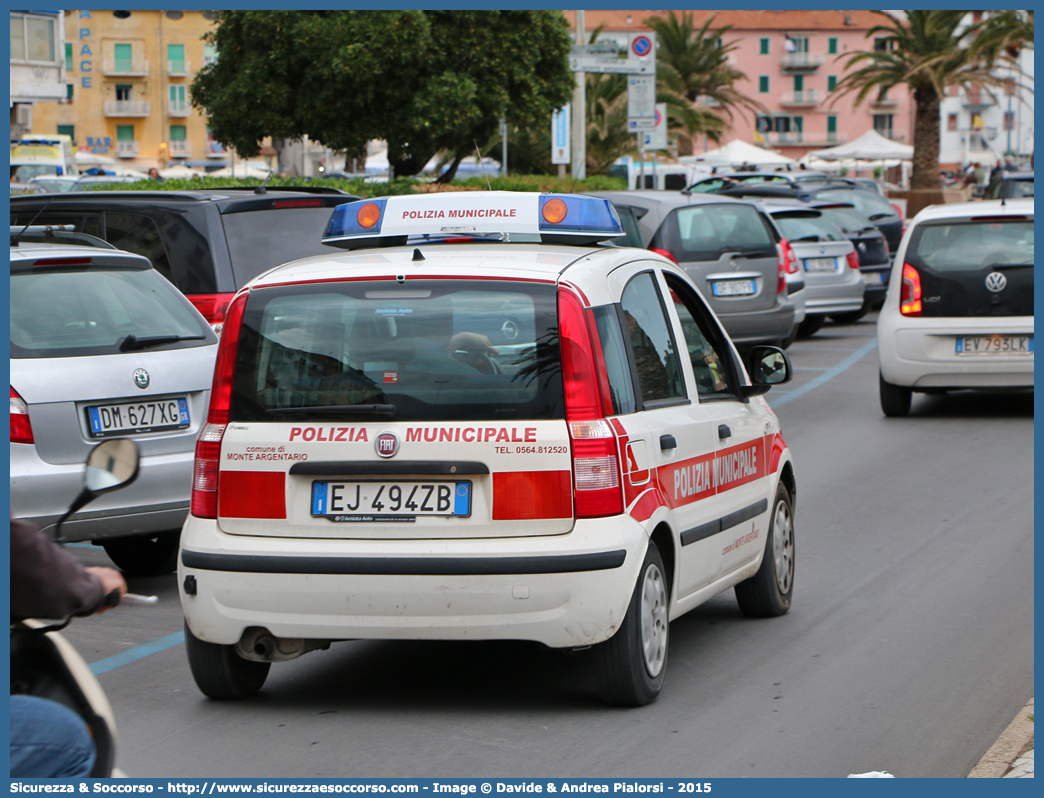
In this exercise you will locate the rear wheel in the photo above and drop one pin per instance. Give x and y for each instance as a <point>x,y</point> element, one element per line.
<point>895,399</point>
<point>768,593</point>
<point>810,326</point>
<point>791,337</point>
<point>220,673</point>
<point>630,665</point>
<point>145,555</point>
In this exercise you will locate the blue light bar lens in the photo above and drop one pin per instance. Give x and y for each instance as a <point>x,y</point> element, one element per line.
<point>583,215</point>
<point>345,220</point>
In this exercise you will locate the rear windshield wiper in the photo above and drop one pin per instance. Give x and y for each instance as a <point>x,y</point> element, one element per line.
<point>348,410</point>
<point>132,342</point>
<point>1003,266</point>
<point>807,238</point>
<point>877,216</point>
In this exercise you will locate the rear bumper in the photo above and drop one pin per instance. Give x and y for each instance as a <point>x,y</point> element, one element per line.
<point>754,327</point>
<point>564,591</point>
<point>157,501</point>
<point>920,353</point>
<point>842,296</point>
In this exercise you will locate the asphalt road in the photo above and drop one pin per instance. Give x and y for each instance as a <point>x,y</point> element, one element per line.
<point>909,646</point>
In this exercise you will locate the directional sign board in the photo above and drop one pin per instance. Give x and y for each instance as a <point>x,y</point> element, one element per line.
<point>560,135</point>
<point>656,139</point>
<point>641,103</point>
<point>617,52</point>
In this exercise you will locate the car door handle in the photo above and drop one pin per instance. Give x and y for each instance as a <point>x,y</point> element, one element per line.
<point>668,442</point>
<point>724,431</point>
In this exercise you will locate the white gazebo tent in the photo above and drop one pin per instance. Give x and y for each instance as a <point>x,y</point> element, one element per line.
<point>871,146</point>
<point>737,152</point>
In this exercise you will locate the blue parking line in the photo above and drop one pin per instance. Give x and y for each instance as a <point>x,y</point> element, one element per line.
<point>136,653</point>
<point>829,374</point>
<point>147,649</point>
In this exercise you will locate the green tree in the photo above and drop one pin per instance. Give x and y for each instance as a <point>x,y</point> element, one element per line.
<point>693,71</point>
<point>929,51</point>
<point>423,80</point>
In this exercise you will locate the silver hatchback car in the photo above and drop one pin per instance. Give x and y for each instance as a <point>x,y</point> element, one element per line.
<point>103,345</point>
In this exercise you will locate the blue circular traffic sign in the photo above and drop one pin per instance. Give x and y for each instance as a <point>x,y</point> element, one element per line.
<point>657,118</point>
<point>642,45</point>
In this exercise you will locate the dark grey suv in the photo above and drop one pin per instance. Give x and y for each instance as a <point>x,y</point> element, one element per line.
<point>726,246</point>
<point>208,242</point>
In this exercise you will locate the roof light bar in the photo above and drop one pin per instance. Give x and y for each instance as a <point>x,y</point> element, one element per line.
<point>389,221</point>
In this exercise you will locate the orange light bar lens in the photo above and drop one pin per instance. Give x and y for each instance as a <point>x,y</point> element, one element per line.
<point>369,214</point>
<point>554,211</point>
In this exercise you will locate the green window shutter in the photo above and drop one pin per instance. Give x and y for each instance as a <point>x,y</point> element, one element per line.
<point>176,57</point>
<point>831,82</point>
<point>831,125</point>
<point>178,133</point>
<point>68,130</point>
<point>69,92</point>
<point>763,84</point>
<point>68,57</point>
<point>124,132</point>
<point>764,46</point>
<point>123,57</point>
<point>832,45</point>
<point>799,124</point>
<point>799,83</point>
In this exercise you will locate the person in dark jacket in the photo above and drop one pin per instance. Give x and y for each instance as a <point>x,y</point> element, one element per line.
<point>47,739</point>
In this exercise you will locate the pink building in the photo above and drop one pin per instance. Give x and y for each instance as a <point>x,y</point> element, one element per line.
<point>791,62</point>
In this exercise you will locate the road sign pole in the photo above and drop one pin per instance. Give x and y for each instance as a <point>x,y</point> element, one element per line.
<point>641,161</point>
<point>580,111</point>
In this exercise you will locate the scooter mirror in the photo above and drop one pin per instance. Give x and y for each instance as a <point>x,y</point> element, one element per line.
<point>110,465</point>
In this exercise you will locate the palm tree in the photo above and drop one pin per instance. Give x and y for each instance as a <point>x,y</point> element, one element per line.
<point>929,51</point>
<point>693,64</point>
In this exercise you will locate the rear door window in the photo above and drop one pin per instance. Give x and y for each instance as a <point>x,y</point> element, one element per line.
<point>706,232</point>
<point>805,226</point>
<point>653,349</point>
<point>135,233</point>
<point>426,351</point>
<point>956,261</point>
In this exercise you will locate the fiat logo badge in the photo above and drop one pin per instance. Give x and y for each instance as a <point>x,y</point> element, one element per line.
<point>386,444</point>
<point>141,378</point>
<point>995,281</point>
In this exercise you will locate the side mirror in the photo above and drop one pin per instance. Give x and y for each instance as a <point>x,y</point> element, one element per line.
<point>111,464</point>
<point>768,366</point>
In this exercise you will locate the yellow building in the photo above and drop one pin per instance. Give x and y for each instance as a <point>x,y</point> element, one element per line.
<point>127,80</point>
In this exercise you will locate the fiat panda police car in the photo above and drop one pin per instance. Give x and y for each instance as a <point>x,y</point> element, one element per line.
<point>480,423</point>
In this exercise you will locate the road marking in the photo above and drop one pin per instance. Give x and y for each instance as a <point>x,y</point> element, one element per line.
<point>142,651</point>
<point>829,374</point>
<point>136,653</point>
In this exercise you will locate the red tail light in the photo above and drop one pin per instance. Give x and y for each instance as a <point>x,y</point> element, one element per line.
<point>898,211</point>
<point>787,264</point>
<point>213,307</point>
<point>853,260</point>
<point>596,468</point>
<point>665,253</point>
<point>208,443</point>
<point>21,429</point>
<point>910,299</point>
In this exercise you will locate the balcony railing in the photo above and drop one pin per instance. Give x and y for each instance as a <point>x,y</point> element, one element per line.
<point>126,107</point>
<point>178,108</point>
<point>977,99</point>
<point>126,149</point>
<point>803,99</point>
<point>806,139</point>
<point>802,60</point>
<point>133,68</point>
<point>892,135</point>
<point>215,150</point>
<point>178,68</point>
<point>885,102</point>
<point>180,149</point>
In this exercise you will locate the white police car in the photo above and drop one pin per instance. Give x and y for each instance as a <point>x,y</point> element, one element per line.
<point>480,424</point>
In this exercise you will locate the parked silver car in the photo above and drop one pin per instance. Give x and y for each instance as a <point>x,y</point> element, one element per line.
<point>824,256</point>
<point>102,345</point>
<point>727,247</point>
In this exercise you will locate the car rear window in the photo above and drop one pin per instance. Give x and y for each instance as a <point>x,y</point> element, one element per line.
<point>965,246</point>
<point>706,232</point>
<point>873,206</point>
<point>263,239</point>
<point>805,226</point>
<point>849,220</point>
<point>1017,189</point>
<point>62,313</point>
<point>432,350</point>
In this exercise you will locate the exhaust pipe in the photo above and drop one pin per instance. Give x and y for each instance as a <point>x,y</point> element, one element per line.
<point>259,645</point>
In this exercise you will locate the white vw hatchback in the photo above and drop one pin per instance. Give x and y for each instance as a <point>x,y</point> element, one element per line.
<point>959,311</point>
<point>480,423</point>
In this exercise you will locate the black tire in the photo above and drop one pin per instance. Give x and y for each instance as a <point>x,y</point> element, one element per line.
<point>850,318</point>
<point>810,326</point>
<point>220,673</point>
<point>629,666</point>
<point>895,399</point>
<point>145,555</point>
<point>767,594</point>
